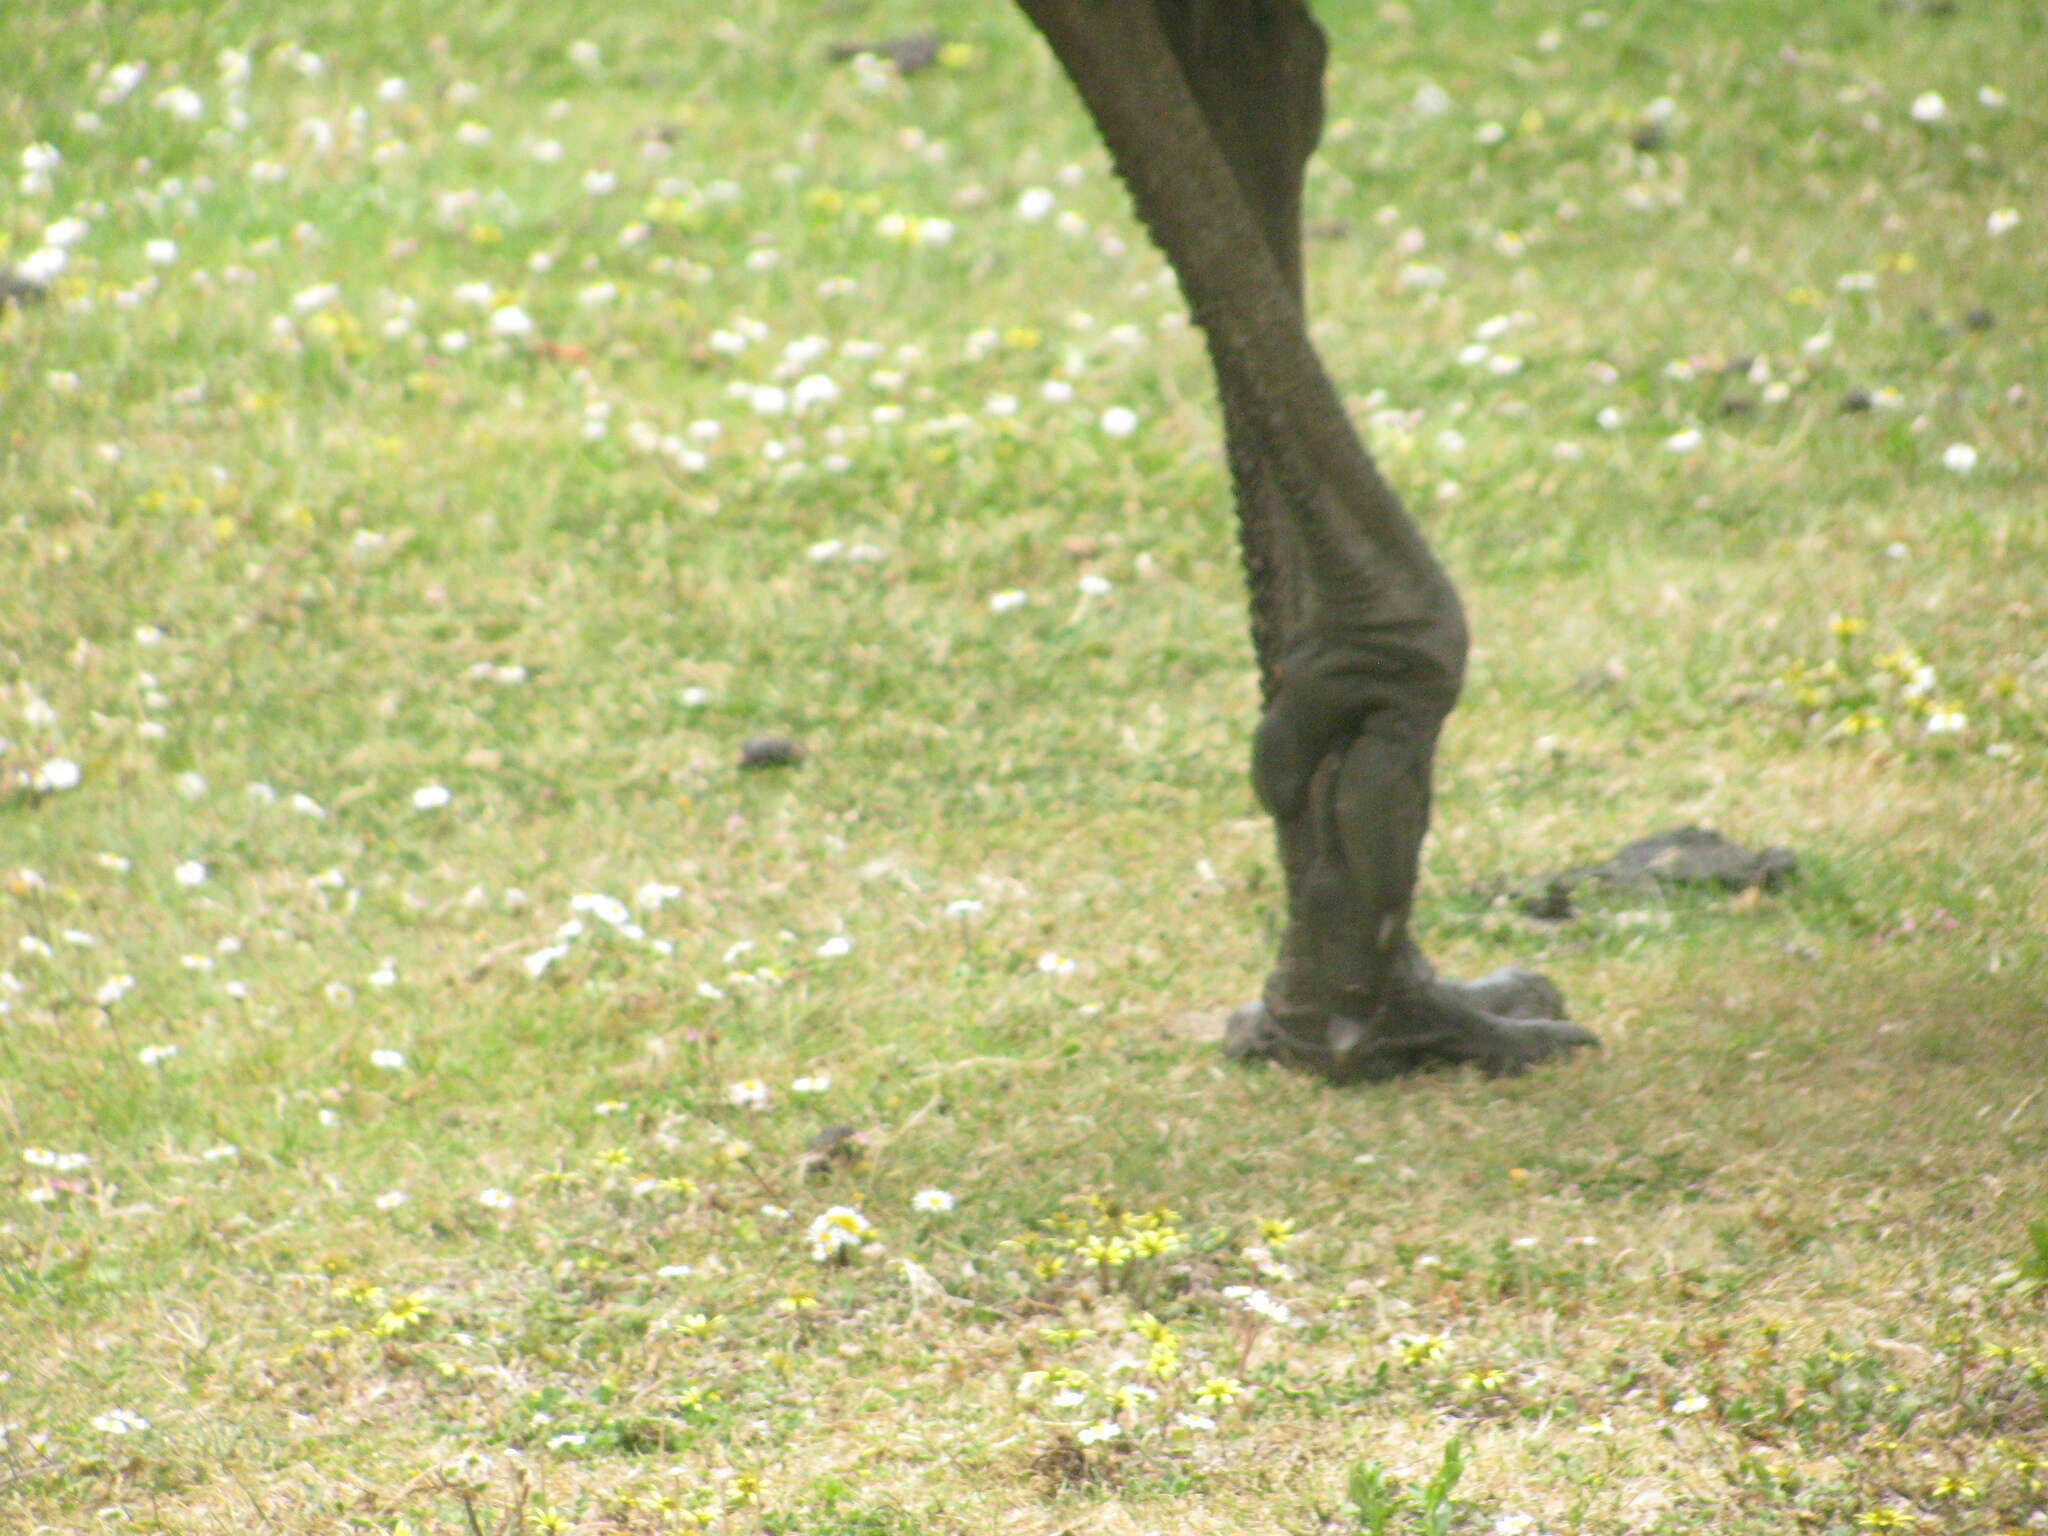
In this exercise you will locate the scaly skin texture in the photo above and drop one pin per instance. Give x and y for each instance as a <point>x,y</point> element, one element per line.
<point>1210,109</point>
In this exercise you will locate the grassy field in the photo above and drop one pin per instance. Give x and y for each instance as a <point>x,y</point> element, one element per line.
<point>447,432</point>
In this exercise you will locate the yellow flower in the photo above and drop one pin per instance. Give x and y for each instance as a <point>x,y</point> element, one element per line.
<point>407,1308</point>
<point>1109,1252</point>
<point>1423,1348</point>
<point>1149,1328</point>
<point>1150,1244</point>
<point>1220,1391</point>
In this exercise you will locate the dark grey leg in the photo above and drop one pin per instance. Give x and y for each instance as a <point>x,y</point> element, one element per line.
<point>1210,109</point>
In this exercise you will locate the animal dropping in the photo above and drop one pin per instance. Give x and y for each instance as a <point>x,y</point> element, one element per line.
<point>768,751</point>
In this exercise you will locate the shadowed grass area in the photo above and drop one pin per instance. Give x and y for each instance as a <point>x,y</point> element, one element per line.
<point>432,440</point>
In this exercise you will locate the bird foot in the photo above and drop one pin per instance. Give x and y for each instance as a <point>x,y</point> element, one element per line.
<point>1504,1023</point>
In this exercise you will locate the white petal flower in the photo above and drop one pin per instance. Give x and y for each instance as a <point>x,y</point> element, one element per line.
<point>182,103</point>
<point>538,962</point>
<point>837,1231</point>
<point>605,908</point>
<point>42,265</point>
<point>933,1201</point>
<point>389,1060</point>
<point>813,389</point>
<point>1928,107</point>
<point>1118,421</point>
<point>120,84</point>
<point>1959,458</point>
<point>59,773</point>
<point>430,797</point>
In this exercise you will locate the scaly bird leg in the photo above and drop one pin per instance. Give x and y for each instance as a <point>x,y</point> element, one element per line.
<point>1210,109</point>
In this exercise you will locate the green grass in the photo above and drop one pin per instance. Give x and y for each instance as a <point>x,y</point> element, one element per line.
<point>1771,1262</point>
